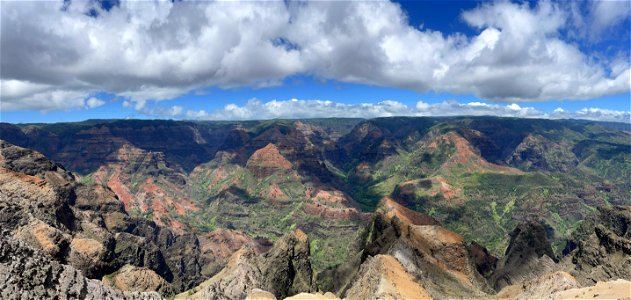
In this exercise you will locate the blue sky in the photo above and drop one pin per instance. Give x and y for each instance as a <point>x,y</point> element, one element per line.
<point>290,60</point>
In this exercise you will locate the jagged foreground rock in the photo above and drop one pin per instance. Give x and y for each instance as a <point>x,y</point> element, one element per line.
<point>601,248</point>
<point>138,279</point>
<point>86,226</point>
<point>27,273</point>
<point>529,254</point>
<point>599,254</point>
<point>600,251</point>
<point>383,277</point>
<point>433,256</point>
<point>283,271</point>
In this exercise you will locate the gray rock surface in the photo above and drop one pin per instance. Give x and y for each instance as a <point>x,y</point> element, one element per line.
<point>284,270</point>
<point>27,273</point>
<point>601,247</point>
<point>529,255</point>
<point>85,226</point>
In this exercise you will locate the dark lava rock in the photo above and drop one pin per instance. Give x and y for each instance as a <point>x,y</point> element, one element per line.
<point>284,270</point>
<point>601,247</point>
<point>529,254</point>
<point>26,273</point>
<point>484,262</point>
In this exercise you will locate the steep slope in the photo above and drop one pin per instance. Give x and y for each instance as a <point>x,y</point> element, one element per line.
<point>478,176</point>
<point>27,273</point>
<point>436,255</point>
<point>86,226</point>
<point>528,255</point>
<point>539,287</point>
<point>383,277</point>
<point>146,185</point>
<point>284,270</point>
<point>138,279</point>
<point>601,247</point>
<point>267,161</point>
<point>536,152</point>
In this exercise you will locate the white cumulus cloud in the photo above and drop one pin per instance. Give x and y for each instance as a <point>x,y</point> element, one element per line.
<point>256,109</point>
<point>160,50</point>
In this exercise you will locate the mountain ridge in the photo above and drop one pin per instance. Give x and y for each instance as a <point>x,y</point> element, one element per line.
<point>398,253</point>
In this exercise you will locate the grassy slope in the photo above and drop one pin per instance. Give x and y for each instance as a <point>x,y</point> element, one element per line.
<point>492,203</point>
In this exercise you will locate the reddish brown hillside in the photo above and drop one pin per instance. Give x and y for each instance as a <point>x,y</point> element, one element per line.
<point>267,161</point>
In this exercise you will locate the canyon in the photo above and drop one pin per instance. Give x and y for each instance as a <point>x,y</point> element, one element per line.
<point>401,208</point>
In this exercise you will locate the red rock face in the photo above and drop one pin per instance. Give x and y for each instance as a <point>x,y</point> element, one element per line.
<point>274,193</point>
<point>147,196</point>
<point>328,197</point>
<point>391,209</point>
<point>332,204</point>
<point>443,254</point>
<point>326,212</point>
<point>267,161</point>
<point>465,157</point>
<point>362,172</point>
<point>222,243</point>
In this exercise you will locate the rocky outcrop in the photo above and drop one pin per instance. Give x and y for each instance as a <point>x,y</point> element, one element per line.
<point>433,255</point>
<point>217,246</point>
<point>598,253</point>
<point>86,226</point>
<point>138,279</point>
<point>529,255</point>
<point>539,287</point>
<point>383,277</point>
<point>284,270</point>
<point>484,261</point>
<point>258,294</point>
<point>32,186</point>
<point>601,247</point>
<point>27,273</point>
<point>536,152</point>
<point>44,237</point>
<point>88,255</point>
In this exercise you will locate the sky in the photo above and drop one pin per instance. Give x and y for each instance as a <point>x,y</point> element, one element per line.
<point>217,60</point>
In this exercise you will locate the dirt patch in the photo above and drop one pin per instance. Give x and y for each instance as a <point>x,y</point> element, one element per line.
<point>618,289</point>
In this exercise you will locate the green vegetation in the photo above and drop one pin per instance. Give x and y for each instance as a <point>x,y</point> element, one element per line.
<point>87,180</point>
<point>557,171</point>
